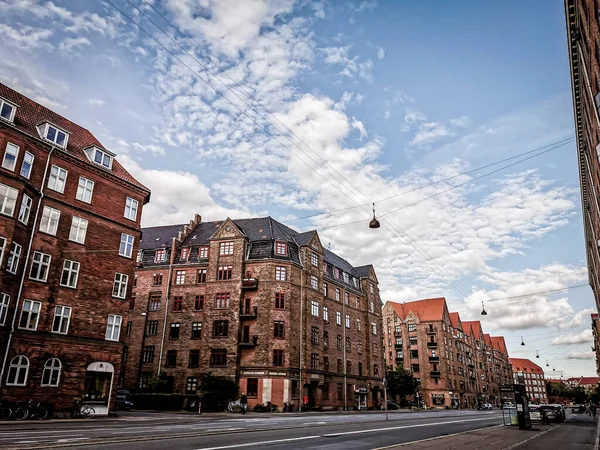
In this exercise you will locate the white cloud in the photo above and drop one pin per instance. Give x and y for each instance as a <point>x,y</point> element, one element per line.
<point>582,355</point>
<point>96,102</point>
<point>25,38</point>
<point>380,53</point>
<point>413,116</point>
<point>366,6</point>
<point>570,339</point>
<point>70,45</point>
<point>351,67</point>
<point>430,132</point>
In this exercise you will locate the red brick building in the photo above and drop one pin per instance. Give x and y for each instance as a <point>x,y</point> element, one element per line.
<point>596,336</point>
<point>256,301</point>
<point>456,364</point>
<point>531,375</point>
<point>69,230</point>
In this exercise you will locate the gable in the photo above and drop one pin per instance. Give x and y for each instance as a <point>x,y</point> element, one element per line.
<point>228,230</point>
<point>315,243</point>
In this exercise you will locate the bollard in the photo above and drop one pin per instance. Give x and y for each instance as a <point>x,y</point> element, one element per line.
<point>199,406</point>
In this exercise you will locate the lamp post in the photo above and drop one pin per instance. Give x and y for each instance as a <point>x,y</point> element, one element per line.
<point>385,397</point>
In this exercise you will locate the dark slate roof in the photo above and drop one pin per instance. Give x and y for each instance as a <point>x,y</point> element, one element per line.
<point>304,238</point>
<point>30,114</point>
<point>335,260</point>
<point>156,237</point>
<point>363,271</point>
<point>201,234</point>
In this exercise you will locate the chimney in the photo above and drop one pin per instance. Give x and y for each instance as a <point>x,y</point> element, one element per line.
<point>180,236</point>
<point>197,219</point>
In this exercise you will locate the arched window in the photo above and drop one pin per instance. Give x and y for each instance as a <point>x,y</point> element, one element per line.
<point>51,374</point>
<point>17,371</point>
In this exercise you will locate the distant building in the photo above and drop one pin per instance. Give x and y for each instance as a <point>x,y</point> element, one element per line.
<point>587,383</point>
<point>596,336</point>
<point>531,375</point>
<point>260,303</point>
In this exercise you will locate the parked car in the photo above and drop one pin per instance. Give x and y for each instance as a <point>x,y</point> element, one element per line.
<point>390,405</point>
<point>508,405</point>
<point>560,410</point>
<point>579,409</point>
<point>123,401</point>
<point>554,413</point>
<point>535,413</point>
<point>485,406</point>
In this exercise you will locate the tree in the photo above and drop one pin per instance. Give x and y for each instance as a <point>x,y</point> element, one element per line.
<point>216,392</point>
<point>401,383</point>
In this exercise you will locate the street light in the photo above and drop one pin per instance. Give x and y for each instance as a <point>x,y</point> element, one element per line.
<point>483,311</point>
<point>374,223</point>
<point>522,343</point>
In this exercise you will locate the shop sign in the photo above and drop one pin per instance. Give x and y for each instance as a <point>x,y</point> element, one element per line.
<point>361,389</point>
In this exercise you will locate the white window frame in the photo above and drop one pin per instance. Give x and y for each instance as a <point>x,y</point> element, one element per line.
<point>17,364</point>
<point>131,209</point>
<point>160,255</point>
<point>46,130</point>
<point>314,259</point>
<point>348,321</point>
<point>27,165</point>
<point>338,318</point>
<point>78,229</point>
<point>325,313</point>
<point>314,282</point>
<point>337,294</point>
<point>314,308</point>
<point>226,248</point>
<point>11,116</point>
<point>14,256</point>
<point>374,328</point>
<point>203,251</point>
<point>120,285</point>
<point>3,242</point>
<point>4,304</point>
<point>113,327</point>
<point>358,325</point>
<point>51,367</point>
<point>49,220</point>
<point>25,209</point>
<point>32,309</point>
<point>281,248</point>
<point>57,179</point>
<point>126,245</point>
<point>104,156</point>
<point>42,263</point>
<point>14,153</point>
<point>180,277</point>
<point>71,268</point>
<point>85,190</point>
<point>8,199</point>
<point>280,273</point>
<point>62,317</point>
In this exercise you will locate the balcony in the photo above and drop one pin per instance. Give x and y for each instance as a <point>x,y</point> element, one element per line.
<point>398,346</point>
<point>471,366</point>
<point>397,333</point>
<point>399,360</point>
<point>248,313</point>
<point>434,359</point>
<point>435,374</point>
<point>250,283</point>
<point>248,342</point>
<point>432,345</point>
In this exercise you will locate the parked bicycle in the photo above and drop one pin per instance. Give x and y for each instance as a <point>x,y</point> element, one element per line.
<point>288,407</point>
<point>6,410</point>
<point>233,406</point>
<point>31,410</point>
<point>82,410</point>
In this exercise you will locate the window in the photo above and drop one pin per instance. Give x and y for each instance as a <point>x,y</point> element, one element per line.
<point>13,258</point>
<point>358,325</point>
<point>347,321</point>
<point>325,289</point>
<point>4,303</point>
<point>180,277</point>
<point>51,373</point>
<point>174,330</point>
<point>414,354</point>
<point>279,273</point>
<point>128,327</point>
<point>414,367</point>
<point>338,318</point>
<point>101,157</point>
<point>154,303</point>
<point>148,353</point>
<point>218,357</point>
<point>412,327</point>
<point>314,361</point>
<point>373,328</point>
<point>412,340</point>
<point>184,254</point>
<point>202,276</point>
<point>339,342</point>
<point>49,221</point>
<point>160,255</point>
<point>40,266</point>
<point>375,349</point>
<point>62,317</point>
<point>346,279</point>
<point>194,359</point>
<point>314,308</point>
<point>25,209</point>
<point>27,165</point>
<point>326,364</point>
<point>171,358</point>
<point>224,273</point>
<point>325,313</point>
<point>314,282</point>
<point>53,134</point>
<point>85,188</point>
<point>314,335</point>
<point>178,303</point>
<point>279,300</point>
<point>220,328</point>
<point>277,358</point>
<point>398,330</point>
<point>340,369</point>
<point>17,371</point>
<point>371,288</point>
<point>203,252</point>
<point>280,248</point>
<point>226,248</point>
<point>126,247</point>
<point>152,327</point>
<point>346,298</point>
<point>314,259</point>
<point>113,327</point>
<point>337,294</point>
<point>325,339</point>
<point>78,230</point>
<point>10,156</point>
<point>196,330</point>
<point>279,329</point>
<point>7,110</point>
<point>131,208</point>
<point>2,248</point>
<point>58,179</point>
<point>348,345</point>
<point>8,199</point>
<point>349,368</point>
<point>120,285</point>
<point>372,306</point>
<point>222,300</point>
<point>252,387</point>
<point>199,303</point>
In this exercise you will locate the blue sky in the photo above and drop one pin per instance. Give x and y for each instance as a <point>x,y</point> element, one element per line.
<point>378,98</point>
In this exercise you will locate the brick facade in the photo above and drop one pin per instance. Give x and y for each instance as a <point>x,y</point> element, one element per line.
<point>56,353</point>
<point>282,328</point>
<point>531,375</point>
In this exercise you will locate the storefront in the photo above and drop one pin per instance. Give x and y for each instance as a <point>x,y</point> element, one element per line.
<point>98,386</point>
<point>438,400</point>
<point>360,396</point>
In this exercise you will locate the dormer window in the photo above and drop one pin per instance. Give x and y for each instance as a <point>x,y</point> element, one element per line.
<point>53,134</point>
<point>7,110</point>
<point>99,156</point>
<point>280,248</point>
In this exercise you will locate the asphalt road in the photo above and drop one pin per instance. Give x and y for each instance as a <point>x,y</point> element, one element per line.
<point>307,431</point>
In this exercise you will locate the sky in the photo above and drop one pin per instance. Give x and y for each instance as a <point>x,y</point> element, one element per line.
<point>310,111</point>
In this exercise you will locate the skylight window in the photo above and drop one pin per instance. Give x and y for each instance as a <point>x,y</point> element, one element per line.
<point>53,134</point>
<point>7,110</point>
<point>99,156</point>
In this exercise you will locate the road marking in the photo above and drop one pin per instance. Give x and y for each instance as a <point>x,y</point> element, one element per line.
<point>433,438</point>
<point>73,439</point>
<point>261,443</point>
<point>529,439</point>
<point>313,423</point>
<point>374,430</point>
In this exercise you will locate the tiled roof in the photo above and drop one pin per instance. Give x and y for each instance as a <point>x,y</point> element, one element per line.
<point>499,344</point>
<point>525,365</point>
<point>554,380</point>
<point>30,114</point>
<point>476,328</point>
<point>583,381</point>
<point>431,309</point>
<point>487,339</point>
<point>455,320</point>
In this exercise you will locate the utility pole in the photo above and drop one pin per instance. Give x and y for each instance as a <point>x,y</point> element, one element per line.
<point>385,397</point>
